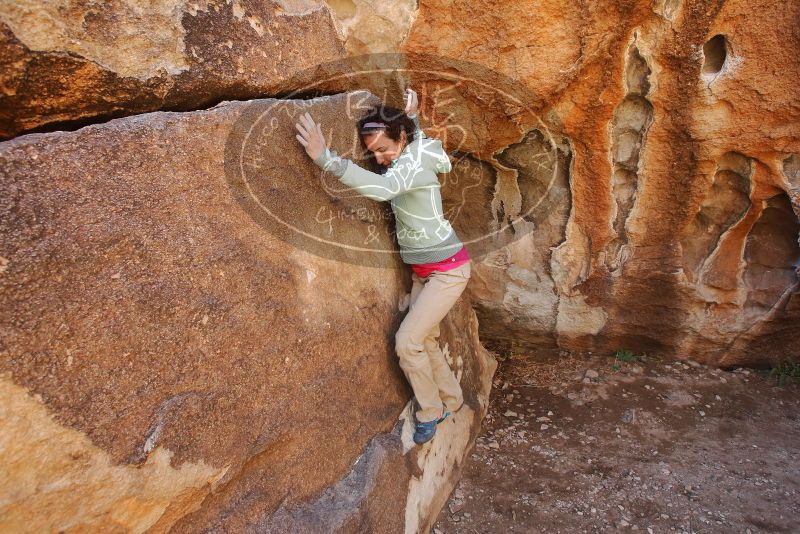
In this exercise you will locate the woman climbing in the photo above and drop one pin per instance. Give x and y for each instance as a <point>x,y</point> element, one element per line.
<point>439,262</point>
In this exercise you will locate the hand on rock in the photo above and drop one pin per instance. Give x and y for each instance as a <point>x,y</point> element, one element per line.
<point>311,136</point>
<point>412,102</point>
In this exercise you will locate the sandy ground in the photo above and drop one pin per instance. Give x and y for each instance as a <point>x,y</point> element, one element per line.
<point>576,445</point>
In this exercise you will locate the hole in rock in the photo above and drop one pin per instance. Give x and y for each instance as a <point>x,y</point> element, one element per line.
<point>632,119</point>
<point>715,51</point>
<point>772,253</point>
<point>543,181</point>
<point>637,73</point>
<point>725,204</point>
<point>791,168</point>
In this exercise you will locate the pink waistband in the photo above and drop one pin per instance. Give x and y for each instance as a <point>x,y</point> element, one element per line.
<point>425,269</point>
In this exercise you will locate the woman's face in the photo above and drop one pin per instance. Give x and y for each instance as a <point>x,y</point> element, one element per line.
<point>384,148</point>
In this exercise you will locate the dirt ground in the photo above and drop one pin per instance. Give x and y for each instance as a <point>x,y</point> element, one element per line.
<point>594,444</point>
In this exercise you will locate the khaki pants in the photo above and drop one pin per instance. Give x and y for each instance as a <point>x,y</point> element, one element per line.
<point>417,346</point>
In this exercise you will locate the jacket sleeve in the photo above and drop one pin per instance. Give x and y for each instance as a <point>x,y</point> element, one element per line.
<point>404,175</point>
<point>331,162</point>
<point>443,164</point>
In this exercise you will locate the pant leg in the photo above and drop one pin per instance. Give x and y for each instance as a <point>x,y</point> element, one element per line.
<point>439,293</point>
<point>447,383</point>
<point>417,284</point>
<point>449,388</point>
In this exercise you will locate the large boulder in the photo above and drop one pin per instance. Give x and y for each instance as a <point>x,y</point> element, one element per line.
<point>69,64</point>
<point>647,187</point>
<point>626,176</point>
<point>635,164</point>
<point>175,358</point>
<point>73,63</point>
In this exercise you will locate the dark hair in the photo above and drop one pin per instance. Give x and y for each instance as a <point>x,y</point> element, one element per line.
<point>396,121</point>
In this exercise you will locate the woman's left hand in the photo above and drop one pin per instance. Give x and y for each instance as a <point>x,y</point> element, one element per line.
<point>311,136</point>
<point>412,102</point>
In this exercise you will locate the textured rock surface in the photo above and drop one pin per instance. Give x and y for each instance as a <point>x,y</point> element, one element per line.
<point>170,364</point>
<point>679,121</point>
<point>626,174</point>
<point>67,63</point>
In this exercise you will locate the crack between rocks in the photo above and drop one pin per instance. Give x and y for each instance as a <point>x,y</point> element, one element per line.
<point>75,125</point>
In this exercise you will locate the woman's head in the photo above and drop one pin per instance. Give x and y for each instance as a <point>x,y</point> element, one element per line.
<point>385,132</point>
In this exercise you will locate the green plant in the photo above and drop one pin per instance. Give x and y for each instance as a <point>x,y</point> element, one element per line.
<point>786,371</point>
<point>625,356</point>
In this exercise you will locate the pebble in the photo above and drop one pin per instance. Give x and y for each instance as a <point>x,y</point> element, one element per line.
<point>456,507</point>
<point>591,373</point>
<point>510,413</point>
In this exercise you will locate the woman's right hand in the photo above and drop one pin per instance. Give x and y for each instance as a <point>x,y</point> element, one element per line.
<point>311,136</point>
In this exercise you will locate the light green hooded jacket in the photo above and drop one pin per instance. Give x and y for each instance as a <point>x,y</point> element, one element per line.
<point>411,186</point>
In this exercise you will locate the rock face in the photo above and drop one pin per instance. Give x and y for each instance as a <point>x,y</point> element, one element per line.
<point>72,63</point>
<point>198,324</point>
<point>171,365</point>
<point>675,226</point>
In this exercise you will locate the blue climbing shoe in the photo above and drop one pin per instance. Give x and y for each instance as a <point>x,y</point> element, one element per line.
<point>425,431</point>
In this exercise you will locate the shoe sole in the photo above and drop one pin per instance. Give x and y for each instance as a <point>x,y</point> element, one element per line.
<point>426,441</point>
<point>442,418</point>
